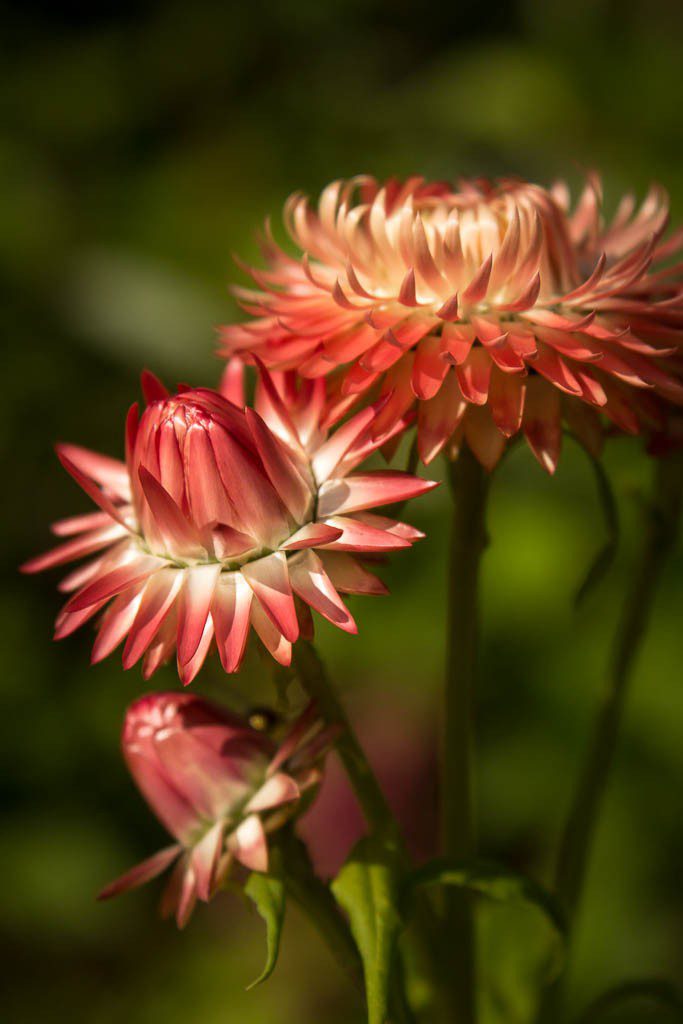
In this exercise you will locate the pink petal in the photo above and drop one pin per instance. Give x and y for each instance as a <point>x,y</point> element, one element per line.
<point>349,576</point>
<point>154,605</point>
<point>134,571</point>
<point>76,548</point>
<point>232,382</point>
<point>188,670</point>
<point>269,580</point>
<point>109,473</point>
<point>310,536</point>
<point>313,585</point>
<point>177,532</point>
<point>141,873</point>
<point>277,790</point>
<point>290,486</point>
<point>271,637</point>
<point>204,860</point>
<point>248,844</point>
<point>366,490</point>
<point>230,614</point>
<point>93,492</point>
<point>116,622</point>
<point>193,608</point>
<point>80,524</point>
<point>357,535</point>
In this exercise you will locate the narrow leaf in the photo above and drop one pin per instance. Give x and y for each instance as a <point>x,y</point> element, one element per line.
<point>657,993</point>
<point>268,895</point>
<point>368,888</point>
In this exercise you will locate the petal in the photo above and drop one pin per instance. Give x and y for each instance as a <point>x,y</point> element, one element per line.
<point>177,533</point>
<point>108,473</point>
<point>116,622</point>
<point>230,613</point>
<point>112,583</point>
<point>154,605</point>
<point>277,790</point>
<point>290,486</point>
<point>506,401</point>
<point>542,424</point>
<point>248,844</point>
<point>358,535</point>
<point>193,608</point>
<point>310,536</point>
<point>93,491</point>
<point>141,873</point>
<point>367,490</point>
<point>438,418</point>
<point>76,548</point>
<point>269,580</point>
<point>204,860</point>
<point>349,576</point>
<point>272,638</point>
<point>313,585</point>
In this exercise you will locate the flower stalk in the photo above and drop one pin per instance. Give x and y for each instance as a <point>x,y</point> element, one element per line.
<point>469,488</point>
<point>660,531</point>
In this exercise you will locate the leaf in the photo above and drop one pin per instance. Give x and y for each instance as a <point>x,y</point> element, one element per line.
<point>268,895</point>
<point>368,888</point>
<point>660,994</point>
<point>498,883</point>
<point>602,561</point>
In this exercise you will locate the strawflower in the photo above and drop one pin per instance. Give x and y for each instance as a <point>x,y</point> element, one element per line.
<point>495,306</point>
<point>217,785</point>
<point>222,518</point>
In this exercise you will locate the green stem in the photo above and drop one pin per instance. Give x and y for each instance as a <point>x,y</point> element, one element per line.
<point>469,487</point>
<point>311,672</point>
<point>659,537</point>
<point>316,900</point>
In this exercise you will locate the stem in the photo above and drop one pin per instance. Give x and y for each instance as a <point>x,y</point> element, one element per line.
<point>316,900</point>
<point>659,537</point>
<point>379,816</point>
<point>311,672</point>
<point>469,487</point>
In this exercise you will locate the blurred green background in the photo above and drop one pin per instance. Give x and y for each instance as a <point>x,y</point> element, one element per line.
<point>141,144</point>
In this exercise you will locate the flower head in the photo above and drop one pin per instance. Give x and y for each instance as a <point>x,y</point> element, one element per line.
<point>217,785</point>
<point>495,307</point>
<point>224,517</point>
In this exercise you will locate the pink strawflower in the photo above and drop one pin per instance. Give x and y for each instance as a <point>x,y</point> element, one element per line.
<point>218,786</point>
<point>224,518</point>
<point>494,306</point>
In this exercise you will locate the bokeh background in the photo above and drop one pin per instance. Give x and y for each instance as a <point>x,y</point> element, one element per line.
<point>140,145</point>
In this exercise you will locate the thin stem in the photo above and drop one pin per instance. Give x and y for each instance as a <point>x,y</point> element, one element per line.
<point>316,900</point>
<point>311,673</point>
<point>469,487</point>
<point>659,537</point>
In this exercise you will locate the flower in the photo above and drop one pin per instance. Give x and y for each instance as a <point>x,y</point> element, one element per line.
<point>224,517</point>
<point>495,307</point>
<point>218,786</point>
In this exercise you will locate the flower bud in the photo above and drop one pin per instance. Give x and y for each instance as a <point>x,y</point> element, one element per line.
<point>217,785</point>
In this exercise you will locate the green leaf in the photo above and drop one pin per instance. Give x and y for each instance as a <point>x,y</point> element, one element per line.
<point>268,895</point>
<point>368,888</point>
<point>657,993</point>
<point>602,561</point>
<point>498,883</point>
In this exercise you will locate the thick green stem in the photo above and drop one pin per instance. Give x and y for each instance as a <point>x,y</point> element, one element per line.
<point>469,486</point>
<point>659,537</point>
